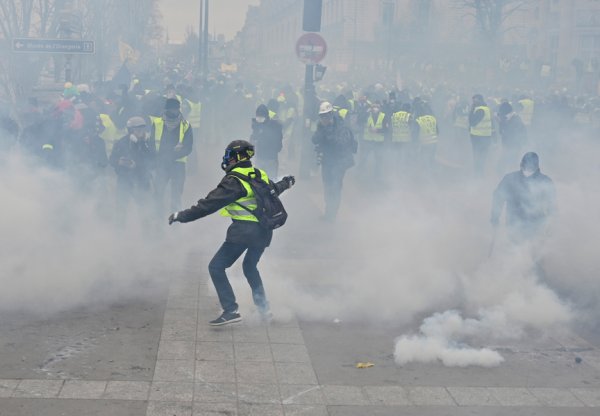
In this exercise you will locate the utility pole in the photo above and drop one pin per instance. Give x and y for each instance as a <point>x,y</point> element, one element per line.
<point>200,37</point>
<point>311,23</point>
<point>205,41</point>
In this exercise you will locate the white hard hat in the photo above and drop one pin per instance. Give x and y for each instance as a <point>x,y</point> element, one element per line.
<point>325,107</point>
<point>134,122</point>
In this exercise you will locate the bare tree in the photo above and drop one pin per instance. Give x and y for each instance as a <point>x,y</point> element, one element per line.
<point>24,18</point>
<point>491,16</point>
<point>136,22</point>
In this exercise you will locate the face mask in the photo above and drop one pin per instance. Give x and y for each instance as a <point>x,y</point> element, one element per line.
<point>260,119</point>
<point>172,114</point>
<point>527,173</point>
<point>133,138</point>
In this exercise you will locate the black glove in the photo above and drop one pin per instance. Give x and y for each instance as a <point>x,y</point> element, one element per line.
<point>290,180</point>
<point>173,218</point>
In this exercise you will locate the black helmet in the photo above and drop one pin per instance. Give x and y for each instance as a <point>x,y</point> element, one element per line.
<point>238,151</point>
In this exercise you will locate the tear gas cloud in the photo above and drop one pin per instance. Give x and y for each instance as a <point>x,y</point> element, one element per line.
<point>396,254</point>
<point>411,252</point>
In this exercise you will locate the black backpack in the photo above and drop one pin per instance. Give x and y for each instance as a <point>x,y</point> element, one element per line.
<point>269,210</point>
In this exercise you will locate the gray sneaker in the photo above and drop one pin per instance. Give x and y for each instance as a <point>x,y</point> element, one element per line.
<point>226,318</point>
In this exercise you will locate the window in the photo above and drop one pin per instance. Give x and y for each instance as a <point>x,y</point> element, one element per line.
<point>589,46</point>
<point>587,18</point>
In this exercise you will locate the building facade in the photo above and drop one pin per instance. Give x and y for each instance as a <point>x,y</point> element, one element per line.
<point>366,35</point>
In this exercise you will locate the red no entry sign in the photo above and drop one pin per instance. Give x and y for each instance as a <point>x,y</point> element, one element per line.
<point>311,48</point>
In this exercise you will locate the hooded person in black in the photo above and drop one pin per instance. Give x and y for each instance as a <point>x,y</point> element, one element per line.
<point>244,234</point>
<point>267,137</point>
<point>530,199</point>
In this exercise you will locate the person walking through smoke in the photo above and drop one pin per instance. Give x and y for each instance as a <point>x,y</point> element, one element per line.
<point>530,200</point>
<point>335,146</point>
<point>245,234</point>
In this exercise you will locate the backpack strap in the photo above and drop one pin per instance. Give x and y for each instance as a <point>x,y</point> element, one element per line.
<point>247,179</point>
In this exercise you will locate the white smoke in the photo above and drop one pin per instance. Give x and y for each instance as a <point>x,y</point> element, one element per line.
<point>61,246</point>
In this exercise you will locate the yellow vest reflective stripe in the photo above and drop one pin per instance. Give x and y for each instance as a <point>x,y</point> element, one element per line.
<point>195,113</point>
<point>343,112</point>
<point>234,210</point>
<point>427,129</point>
<point>111,133</point>
<point>159,125</point>
<point>400,126</point>
<point>527,111</point>
<point>484,127</point>
<point>351,104</point>
<point>47,146</point>
<point>371,136</point>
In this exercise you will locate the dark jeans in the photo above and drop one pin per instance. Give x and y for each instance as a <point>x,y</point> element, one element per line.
<point>333,180</point>
<point>481,148</point>
<point>224,259</point>
<point>174,173</point>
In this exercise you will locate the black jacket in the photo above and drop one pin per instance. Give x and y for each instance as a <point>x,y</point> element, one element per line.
<point>529,200</point>
<point>167,153</point>
<point>335,143</point>
<point>229,190</point>
<point>512,131</point>
<point>141,153</point>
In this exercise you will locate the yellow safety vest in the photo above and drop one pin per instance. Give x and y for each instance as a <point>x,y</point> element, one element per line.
<point>369,135</point>
<point>351,104</point>
<point>527,112</point>
<point>195,113</point>
<point>111,133</point>
<point>400,126</point>
<point>234,210</point>
<point>484,127</point>
<point>427,129</point>
<point>159,125</point>
<point>272,115</point>
<point>343,112</point>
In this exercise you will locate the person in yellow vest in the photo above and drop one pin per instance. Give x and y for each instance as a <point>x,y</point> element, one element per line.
<point>372,143</point>
<point>526,108</point>
<point>401,126</point>
<point>110,133</point>
<point>426,134</point>
<point>480,122</point>
<point>192,111</point>
<point>172,137</point>
<point>342,106</point>
<point>245,234</point>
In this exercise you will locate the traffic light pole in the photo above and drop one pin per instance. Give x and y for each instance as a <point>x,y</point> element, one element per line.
<point>312,23</point>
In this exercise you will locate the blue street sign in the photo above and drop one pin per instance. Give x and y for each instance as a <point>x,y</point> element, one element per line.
<point>32,45</point>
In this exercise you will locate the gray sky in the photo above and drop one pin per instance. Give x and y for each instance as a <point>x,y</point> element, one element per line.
<point>226,16</point>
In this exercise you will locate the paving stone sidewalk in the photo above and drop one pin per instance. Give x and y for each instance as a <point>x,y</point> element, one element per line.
<point>269,370</point>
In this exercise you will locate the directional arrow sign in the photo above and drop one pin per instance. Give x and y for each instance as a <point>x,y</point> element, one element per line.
<point>31,45</point>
